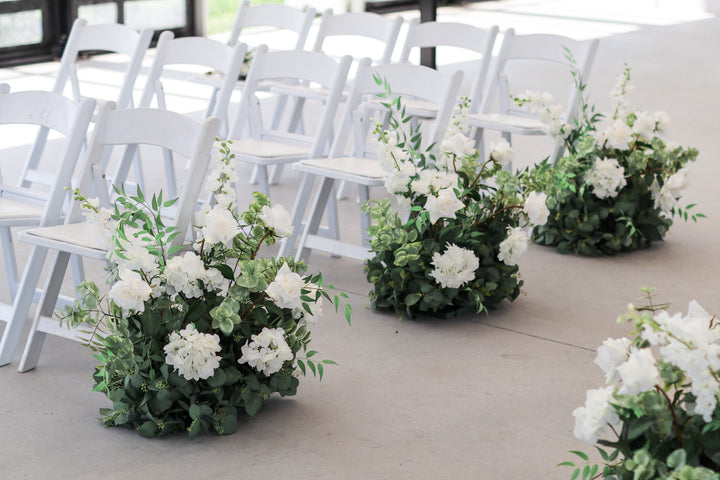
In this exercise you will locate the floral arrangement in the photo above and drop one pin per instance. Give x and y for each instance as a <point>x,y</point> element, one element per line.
<point>189,338</point>
<point>658,416</point>
<point>467,224</point>
<point>618,188</point>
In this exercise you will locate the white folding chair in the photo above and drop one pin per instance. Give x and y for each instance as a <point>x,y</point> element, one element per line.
<point>113,38</point>
<point>130,128</point>
<point>447,37</point>
<point>268,145</point>
<point>285,21</point>
<point>28,207</point>
<point>362,167</point>
<point>192,51</point>
<point>530,58</point>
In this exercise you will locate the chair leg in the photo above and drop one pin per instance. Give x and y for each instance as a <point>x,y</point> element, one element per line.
<point>21,306</point>
<point>287,245</point>
<point>263,181</point>
<point>46,306</point>
<point>558,152</point>
<point>10,261</point>
<point>276,174</point>
<point>364,194</point>
<point>317,208</point>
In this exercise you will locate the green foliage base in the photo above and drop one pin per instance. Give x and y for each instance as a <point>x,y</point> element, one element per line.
<point>148,395</point>
<point>586,225</point>
<point>400,269</point>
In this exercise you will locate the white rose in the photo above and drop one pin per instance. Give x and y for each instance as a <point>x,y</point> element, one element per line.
<point>514,245</point>
<point>662,122</point>
<point>610,355</point>
<point>536,208</point>
<point>278,219</point>
<point>639,373</point>
<point>501,152</point>
<point>130,292</point>
<point>444,205</point>
<point>220,227</point>
<point>285,290</point>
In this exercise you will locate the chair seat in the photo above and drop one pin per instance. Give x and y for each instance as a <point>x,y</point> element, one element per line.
<point>507,123</point>
<point>13,213</point>
<point>76,238</point>
<point>364,171</point>
<point>263,150</point>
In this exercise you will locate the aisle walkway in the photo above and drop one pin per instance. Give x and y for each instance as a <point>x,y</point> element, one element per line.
<point>475,397</point>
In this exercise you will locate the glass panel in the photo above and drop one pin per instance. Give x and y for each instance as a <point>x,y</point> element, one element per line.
<point>155,14</point>
<point>22,28</point>
<point>102,13</point>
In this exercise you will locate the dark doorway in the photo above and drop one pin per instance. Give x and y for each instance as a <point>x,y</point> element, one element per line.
<point>36,30</point>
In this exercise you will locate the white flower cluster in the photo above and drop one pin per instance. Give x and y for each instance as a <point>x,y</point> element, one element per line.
<point>547,109</point>
<point>185,273</point>
<point>130,292</point>
<point>267,351</point>
<point>135,254</point>
<point>286,289</point>
<point>514,245</point>
<point>687,342</point>
<point>666,196</point>
<point>193,354</point>
<point>455,267</point>
<point>606,177</point>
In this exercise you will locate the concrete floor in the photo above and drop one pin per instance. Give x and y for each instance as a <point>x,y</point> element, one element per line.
<point>475,397</point>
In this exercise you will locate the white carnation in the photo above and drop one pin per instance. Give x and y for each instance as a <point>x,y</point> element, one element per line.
<point>514,245</point>
<point>444,205</point>
<point>193,354</point>
<point>455,267</point>
<point>220,226</point>
<point>130,292</point>
<point>536,208</point>
<point>267,351</point>
<point>286,289</point>
<point>277,219</point>
<point>606,177</point>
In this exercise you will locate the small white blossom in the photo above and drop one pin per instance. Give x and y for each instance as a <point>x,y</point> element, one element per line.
<point>536,208</point>
<point>666,197</point>
<point>220,226</point>
<point>192,353</point>
<point>514,245</point>
<point>444,205</point>
<point>592,420</point>
<point>639,373</point>
<point>267,351</point>
<point>502,152</point>
<point>286,289</point>
<point>610,355</point>
<point>455,267</point>
<point>606,177</point>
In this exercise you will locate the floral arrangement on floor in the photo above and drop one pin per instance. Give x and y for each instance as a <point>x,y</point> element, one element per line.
<point>618,188</point>
<point>189,338</point>
<point>658,415</point>
<point>468,221</point>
